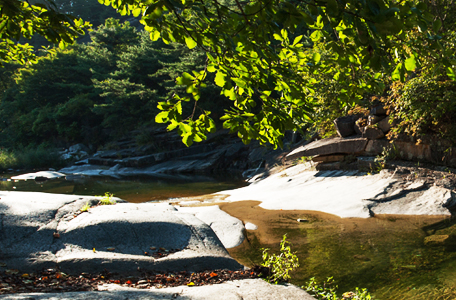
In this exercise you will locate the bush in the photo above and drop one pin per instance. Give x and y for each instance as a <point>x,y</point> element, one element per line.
<point>422,106</point>
<point>30,158</point>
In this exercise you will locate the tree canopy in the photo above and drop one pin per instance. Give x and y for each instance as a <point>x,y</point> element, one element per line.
<point>21,19</point>
<point>269,56</point>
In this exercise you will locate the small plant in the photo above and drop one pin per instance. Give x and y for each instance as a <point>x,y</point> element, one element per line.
<point>325,291</point>
<point>280,265</point>
<point>388,153</point>
<point>107,199</point>
<point>85,208</point>
<point>304,159</point>
<point>328,291</point>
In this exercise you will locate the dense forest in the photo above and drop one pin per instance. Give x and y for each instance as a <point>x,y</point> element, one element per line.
<point>110,83</point>
<point>95,92</point>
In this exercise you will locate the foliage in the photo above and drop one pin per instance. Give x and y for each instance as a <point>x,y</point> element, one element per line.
<point>30,158</point>
<point>86,207</point>
<point>93,93</point>
<point>328,291</point>
<point>107,199</point>
<point>282,264</point>
<point>21,19</point>
<point>422,106</point>
<point>259,53</point>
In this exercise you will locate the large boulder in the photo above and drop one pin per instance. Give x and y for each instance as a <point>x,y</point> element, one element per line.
<point>44,230</point>
<point>345,126</point>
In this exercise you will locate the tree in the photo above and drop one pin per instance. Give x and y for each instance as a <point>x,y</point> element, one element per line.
<point>265,53</point>
<point>20,19</point>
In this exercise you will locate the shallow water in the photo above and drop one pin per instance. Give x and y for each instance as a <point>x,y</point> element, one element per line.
<point>385,254</point>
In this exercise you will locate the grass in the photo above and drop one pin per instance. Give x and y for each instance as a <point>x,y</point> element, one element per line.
<point>30,158</point>
<point>107,199</point>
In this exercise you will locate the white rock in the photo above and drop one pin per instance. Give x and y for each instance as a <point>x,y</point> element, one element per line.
<point>250,226</point>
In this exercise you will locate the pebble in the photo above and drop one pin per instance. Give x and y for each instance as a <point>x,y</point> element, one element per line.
<point>303,220</point>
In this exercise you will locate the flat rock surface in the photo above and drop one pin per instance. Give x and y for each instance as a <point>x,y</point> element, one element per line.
<point>239,289</point>
<point>329,146</point>
<point>344,193</point>
<point>43,174</point>
<point>39,230</point>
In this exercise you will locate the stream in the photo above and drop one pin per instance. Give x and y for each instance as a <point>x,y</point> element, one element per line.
<point>386,254</point>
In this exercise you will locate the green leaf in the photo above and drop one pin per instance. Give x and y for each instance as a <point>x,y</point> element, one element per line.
<point>190,42</point>
<point>410,63</point>
<point>450,73</point>
<point>316,57</point>
<point>162,117</point>
<point>220,79</point>
<point>436,25</point>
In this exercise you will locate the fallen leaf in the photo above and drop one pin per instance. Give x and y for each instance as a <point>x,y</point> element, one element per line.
<point>191,284</point>
<point>25,275</point>
<point>153,248</point>
<point>128,282</point>
<point>213,274</point>
<point>111,249</point>
<point>56,235</point>
<point>94,250</point>
<point>162,249</point>
<point>12,271</point>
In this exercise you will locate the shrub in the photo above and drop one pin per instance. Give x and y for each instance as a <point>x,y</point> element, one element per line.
<point>280,265</point>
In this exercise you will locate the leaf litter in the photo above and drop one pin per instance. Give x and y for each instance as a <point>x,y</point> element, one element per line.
<point>55,281</point>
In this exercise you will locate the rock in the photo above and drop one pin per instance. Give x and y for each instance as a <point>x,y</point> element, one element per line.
<point>248,289</point>
<point>341,193</point>
<point>345,126</point>
<point>416,200</point>
<point>436,240</point>
<point>328,166</point>
<point>329,146</point>
<point>366,162</point>
<point>384,125</point>
<point>328,158</point>
<point>376,147</point>
<point>78,148</point>
<point>228,229</point>
<point>302,220</point>
<point>359,129</point>
<point>412,151</point>
<point>373,119</point>
<point>378,110</point>
<point>42,175</point>
<point>372,133</point>
<point>31,219</point>
<point>250,226</point>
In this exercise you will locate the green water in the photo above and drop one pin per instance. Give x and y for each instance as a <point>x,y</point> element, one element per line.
<point>385,254</point>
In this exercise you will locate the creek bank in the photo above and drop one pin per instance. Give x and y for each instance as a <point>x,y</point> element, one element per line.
<point>350,193</point>
<point>166,154</point>
<point>44,231</point>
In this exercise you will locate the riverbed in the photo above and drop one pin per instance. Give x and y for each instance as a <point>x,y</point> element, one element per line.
<point>386,254</point>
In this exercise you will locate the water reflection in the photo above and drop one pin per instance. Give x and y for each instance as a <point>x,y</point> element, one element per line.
<point>386,254</point>
<point>131,188</point>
